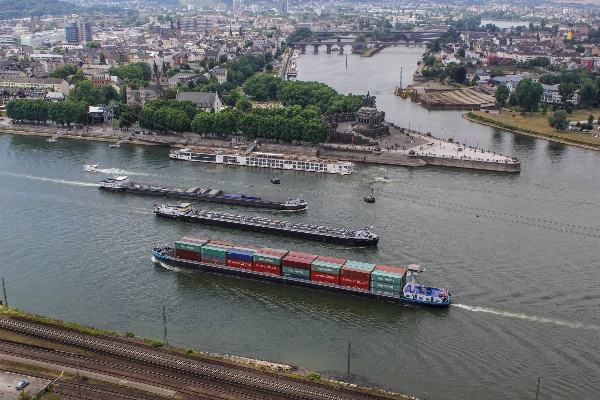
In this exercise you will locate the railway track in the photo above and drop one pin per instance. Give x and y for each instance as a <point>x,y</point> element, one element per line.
<point>195,377</point>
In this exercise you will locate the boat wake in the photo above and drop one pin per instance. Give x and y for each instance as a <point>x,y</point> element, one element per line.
<point>65,182</point>
<point>117,171</point>
<point>544,320</point>
<point>165,266</point>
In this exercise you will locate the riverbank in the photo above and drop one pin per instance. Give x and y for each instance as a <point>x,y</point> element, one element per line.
<point>516,125</point>
<point>25,330</point>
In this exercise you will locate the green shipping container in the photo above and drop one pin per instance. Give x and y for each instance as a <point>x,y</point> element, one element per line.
<point>384,292</point>
<point>295,271</point>
<point>360,265</point>
<point>386,286</point>
<point>181,245</point>
<point>214,251</point>
<point>267,258</point>
<point>277,250</point>
<point>387,277</point>
<point>326,267</point>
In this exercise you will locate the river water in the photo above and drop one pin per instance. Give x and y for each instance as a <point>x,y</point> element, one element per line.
<point>518,251</point>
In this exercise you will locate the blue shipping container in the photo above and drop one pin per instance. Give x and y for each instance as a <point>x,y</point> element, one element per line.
<point>241,255</point>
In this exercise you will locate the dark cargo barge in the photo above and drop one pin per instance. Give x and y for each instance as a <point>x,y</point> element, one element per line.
<point>373,281</point>
<point>185,212</point>
<point>124,185</point>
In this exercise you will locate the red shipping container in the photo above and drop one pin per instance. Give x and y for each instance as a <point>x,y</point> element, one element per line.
<point>391,269</point>
<point>273,252</point>
<point>355,273</point>
<point>243,246</point>
<point>266,268</point>
<point>213,262</point>
<point>332,260</point>
<point>294,262</point>
<point>222,243</point>
<point>302,255</point>
<point>198,238</point>
<point>324,278</point>
<point>356,283</point>
<point>187,255</point>
<point>239,264</point>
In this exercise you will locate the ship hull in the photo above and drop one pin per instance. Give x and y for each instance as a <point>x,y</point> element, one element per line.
<point>254,227</point>
<point>273,205</point>
<point>224,270</point>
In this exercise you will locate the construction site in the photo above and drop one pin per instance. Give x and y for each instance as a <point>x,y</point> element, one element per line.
<point>434,95</point>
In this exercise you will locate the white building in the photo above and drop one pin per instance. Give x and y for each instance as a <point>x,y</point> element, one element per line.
<point>550,95</point>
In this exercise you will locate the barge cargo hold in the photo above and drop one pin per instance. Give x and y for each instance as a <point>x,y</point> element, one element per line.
<point>185,212</point>
<point>124,185</point>
<point>378,282</point>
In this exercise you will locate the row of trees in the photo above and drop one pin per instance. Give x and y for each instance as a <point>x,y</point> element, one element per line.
<point>286,124</point>
<point>42,111</point>
<point>162,116</point>
<point>326,99</point>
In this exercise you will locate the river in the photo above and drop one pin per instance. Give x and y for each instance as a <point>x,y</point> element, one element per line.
<point>518,252</point>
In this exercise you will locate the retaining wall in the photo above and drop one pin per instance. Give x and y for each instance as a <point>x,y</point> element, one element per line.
<point>470,164</point>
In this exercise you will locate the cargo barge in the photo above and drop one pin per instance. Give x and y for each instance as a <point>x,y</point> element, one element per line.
<point>124,185</point>
<point>373,281</point>
<point>264,160</point>
<point>185,212</point>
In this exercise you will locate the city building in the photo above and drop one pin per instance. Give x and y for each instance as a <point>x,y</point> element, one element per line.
<point>78,32</point>
<point>205,101</point>
<point>220,74</point>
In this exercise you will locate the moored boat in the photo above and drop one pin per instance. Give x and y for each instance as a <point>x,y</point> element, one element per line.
<point>124,185</point>
<point>185,212</point>
<point>380,282</point>
<point>264,160</point>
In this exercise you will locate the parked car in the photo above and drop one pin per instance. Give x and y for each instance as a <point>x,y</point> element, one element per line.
<point>22,385</point>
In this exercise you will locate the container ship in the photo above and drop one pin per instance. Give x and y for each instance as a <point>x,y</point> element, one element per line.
<point>185,212</point>
<point>374,281</point>
<point>264,160</point>
<point>124,185</point>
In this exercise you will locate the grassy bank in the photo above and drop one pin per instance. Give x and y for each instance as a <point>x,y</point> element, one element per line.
<point>537,125</point>
<point>72,326</point>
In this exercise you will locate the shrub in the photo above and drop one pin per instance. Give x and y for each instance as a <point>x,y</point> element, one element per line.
<point>314,376</point>
<point>129,334</point>
<point>189,352</point>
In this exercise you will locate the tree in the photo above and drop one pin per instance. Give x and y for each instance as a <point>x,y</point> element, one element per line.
<point>63,72</point>
<point>501,95</point>
<point>460,74</point>
<point>86,92</point>
<point>528,94</point>
<point>243,105</point>
<point>461,52</point>
<point>102,59</point>
<point>170,94</point>
<point>110,93</point>
<point>203,123</point>
<point>233,97</point>
<point>78,77</point>
<point>588,92</point>
<point>566,91</point>
<point>559,120</point>
<point>591,119</point>
<point>222,58</point>
<point>93,44</point>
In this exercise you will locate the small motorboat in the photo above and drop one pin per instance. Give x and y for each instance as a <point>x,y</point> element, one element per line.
<point>382,179</point>
<point>91,168</point>
<point>275,181</point>
<point>370,198</point>
<point>115,146</point>
<point>51,140</point>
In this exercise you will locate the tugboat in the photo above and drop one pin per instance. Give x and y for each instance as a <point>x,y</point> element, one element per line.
<point>275,181</point>
<point>370,198</point>
<point>416,293</point>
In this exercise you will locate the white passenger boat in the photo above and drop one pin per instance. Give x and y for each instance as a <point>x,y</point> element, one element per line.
<point>265,160</point>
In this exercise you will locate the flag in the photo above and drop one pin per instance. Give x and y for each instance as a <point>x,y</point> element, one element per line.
<point>155,203</point>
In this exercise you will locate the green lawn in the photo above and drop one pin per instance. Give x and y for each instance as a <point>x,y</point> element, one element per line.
<point>537,125</point>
